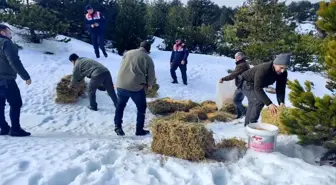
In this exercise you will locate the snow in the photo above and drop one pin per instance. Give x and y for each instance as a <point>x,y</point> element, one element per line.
<point>73,145</point>
<point>306,28</point>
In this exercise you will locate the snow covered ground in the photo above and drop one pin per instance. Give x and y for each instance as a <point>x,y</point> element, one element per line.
<point>306,28</point>
<point>73,145</point>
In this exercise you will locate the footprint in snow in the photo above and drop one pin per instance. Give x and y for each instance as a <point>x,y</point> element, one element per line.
<point>24,165</point>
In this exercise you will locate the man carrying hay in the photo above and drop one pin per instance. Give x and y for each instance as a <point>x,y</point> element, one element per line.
<point>238,97</point>
<point>10,66</point>
<point>99,74</point>
<point>136,74</point>
<point>259,77</point>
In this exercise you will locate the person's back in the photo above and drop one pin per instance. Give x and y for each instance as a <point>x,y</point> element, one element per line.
<point>90,67</point>
<point>136,75</point>
<point>135,71</point>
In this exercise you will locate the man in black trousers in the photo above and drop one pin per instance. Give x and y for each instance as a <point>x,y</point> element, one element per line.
<point>238,97</point>
<point>259,77</point>
<point>179,59</point>
<point>10,66</point>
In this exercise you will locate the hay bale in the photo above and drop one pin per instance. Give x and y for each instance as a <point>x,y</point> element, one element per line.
<point>220,116</point>
<point>209,106</point>
<point>69,95</point>
<point>229,107</point>
<point>268,117</point>
<point>166,106</point>
<point>186,141</point>
<point>182,116</point>
<point>153,92</point>
<point>231,143</point>
<point>194,115</point>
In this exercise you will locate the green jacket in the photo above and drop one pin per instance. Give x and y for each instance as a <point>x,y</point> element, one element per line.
<point>10,63</point>
<point>136,70</point>
<point>85,67</point>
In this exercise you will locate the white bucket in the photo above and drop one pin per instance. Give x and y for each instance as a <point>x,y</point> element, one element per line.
<point>262,140</point>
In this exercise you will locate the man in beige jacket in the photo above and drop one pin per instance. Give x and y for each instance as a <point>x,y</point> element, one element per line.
<point>136,74</point>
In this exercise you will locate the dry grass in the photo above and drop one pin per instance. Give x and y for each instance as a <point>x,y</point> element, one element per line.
<point>153,92</point>
<point>209,106</point>
<point>178,139</point>
<point>232,143</point>
<point>268,117</point>
<point>166,106</point>
<point>66,95</point>
<point>229,107</point>
<point>194,115</point>
<point>188,111</point>
<point>220,116</point>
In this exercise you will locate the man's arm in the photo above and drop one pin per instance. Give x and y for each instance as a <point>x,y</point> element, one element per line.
<point>172,56</point>
<point>76,75</point>
<point>12,56</point>
<point>260,93</point>
<point>186,54</point>
<point>101,19</point>
<point>281,88</point>
<point>234,74</point>
<point>150,72</point>
<point>89,22</point>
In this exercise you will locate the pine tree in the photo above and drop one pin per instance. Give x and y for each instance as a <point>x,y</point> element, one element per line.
<point>327,23</point>
<point>72,12</point>
<point>29,16</point>
<point>307,53</point>
<point>176,25</point>
<point>261,30</point>
<point>203,12</point>
<point>157,17</point>
<point>313,119</point>
<point>130,25</point>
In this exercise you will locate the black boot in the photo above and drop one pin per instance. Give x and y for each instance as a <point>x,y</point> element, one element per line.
<point>92,108</point>
<point>4,130</point>
<point>97,55</point>
<point>18,132</point>
<point>105,54</point>
<point>185,83</point>
<point>175,82</point>
<point>141,132</point>
<point>119,131</point>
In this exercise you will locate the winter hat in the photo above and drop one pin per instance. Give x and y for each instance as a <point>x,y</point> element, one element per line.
<point>88,7</point>
<point>73,57</point>
<point>146,45</point>
<point>240,54</point>
<point>282,59</point>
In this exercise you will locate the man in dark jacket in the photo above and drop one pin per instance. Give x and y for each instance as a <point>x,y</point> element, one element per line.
<point>136,75</point>
<point>179,59</point>
<point>10,66</point>
<point>96,25</point>
<point>241,66</point>
<point>259,77</point>
<point>99,74</point>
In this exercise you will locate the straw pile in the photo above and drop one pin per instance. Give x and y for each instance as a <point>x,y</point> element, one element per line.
<point>194,115</point>
<point>153,92</point>
<point>166,106</point>
<point>186,141</point>
<point>231,143</point>
<point>275,119</point>
<point>220,116</point>
<point>65,95</point>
